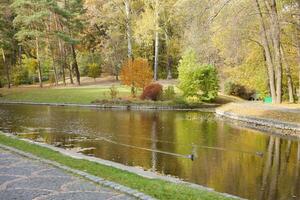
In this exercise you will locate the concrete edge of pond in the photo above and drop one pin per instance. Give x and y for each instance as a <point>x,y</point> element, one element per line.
<point>293,128</point>
<point>205,108</point>
<point>116,186</point>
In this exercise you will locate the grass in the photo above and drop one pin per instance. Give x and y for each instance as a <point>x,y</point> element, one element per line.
<point>99,95</point>
<point>157,188</point>
<point>60,95</point>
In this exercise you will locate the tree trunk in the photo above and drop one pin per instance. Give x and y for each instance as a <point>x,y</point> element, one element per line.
<point>55,72</point>
<point>61,50</point>
<point>268,54</point>
<point>38,62</point>
<point>75,64</point>
<point>6,69</point>
<point>156,39</point>
<point>169,57</point>
<point>115,68</point>
<point>70,75</point>
<point>53,66</point>
<point>128,28</point>
<point>63,75</point>
<point>289,77</point>
<point>52,55</point>
<point>276,46</point>
<point>169,67</point>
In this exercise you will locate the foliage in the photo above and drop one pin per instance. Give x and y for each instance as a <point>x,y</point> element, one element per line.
<point>152,92</point>
<point>20,76</point>
<point>238,90</point>
<point>94,70</point>
<point>197,80</point>
<point>84,59</point>
<point>251,73</point>
<point>186,68</point>
<point>169,93</point>
<point>59,34</point>
<point>136,74</point>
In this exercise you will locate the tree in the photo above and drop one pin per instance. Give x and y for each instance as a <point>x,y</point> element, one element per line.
<point>8,44</point>
<point>94,71</point>
<point>196,79</point>
<point>127,4</point>
<point>156,11</point>
<point>30,19</point>
<point>136,73</point>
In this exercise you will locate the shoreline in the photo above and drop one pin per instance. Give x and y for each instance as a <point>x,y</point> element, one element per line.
<point>262,122</point>
<point>280,127</point>
<point>204,108</point>
<point>149,175</point>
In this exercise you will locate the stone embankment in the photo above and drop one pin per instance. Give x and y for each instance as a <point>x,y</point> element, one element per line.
<point>285,118</point>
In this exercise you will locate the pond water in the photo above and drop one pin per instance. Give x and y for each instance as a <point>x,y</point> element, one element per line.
<point>228,158</point>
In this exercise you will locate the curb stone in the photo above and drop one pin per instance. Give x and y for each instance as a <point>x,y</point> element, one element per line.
<point>87,176</point>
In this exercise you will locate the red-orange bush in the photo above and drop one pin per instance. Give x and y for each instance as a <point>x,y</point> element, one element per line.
<point>152,92</point>
<point>136,73</point>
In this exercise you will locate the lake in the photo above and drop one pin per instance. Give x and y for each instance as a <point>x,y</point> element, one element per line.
<point>194,146</point>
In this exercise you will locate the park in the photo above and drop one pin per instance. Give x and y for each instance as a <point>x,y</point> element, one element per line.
<point>149,99</point>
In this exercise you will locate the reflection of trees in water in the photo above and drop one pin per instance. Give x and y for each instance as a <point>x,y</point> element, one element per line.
<point>296,184</point>
<point>275,167</point>
<point>161,125</point>
<point>268,165</point>
<point>275,170</point>
<point>154,143</point>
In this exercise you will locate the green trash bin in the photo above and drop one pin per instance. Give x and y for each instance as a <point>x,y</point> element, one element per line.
<point>268,100</point>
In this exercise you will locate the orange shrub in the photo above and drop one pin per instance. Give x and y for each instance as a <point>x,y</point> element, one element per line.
<point>152,92</point>
<point>136,73</point>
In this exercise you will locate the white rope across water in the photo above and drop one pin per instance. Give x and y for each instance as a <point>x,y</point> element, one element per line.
<point>146,149</point>
<point>191,156</point>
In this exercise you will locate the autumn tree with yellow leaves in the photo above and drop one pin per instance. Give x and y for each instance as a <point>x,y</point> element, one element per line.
<point>136,73</point>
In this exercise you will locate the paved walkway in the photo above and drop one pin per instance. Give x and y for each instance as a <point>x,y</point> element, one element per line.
<point>25,179</point>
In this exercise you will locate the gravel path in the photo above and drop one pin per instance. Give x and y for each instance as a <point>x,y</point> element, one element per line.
<point>293,108</point>
<point>25,179</point>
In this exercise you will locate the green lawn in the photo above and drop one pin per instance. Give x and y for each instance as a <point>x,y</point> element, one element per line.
<point>86,95</point>
<point>153,187</point>
<point>60,95</point>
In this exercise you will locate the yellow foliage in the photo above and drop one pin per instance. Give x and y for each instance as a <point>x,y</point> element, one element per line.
<point>136,73</point>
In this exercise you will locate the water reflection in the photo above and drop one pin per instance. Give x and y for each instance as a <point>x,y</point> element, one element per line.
<point>239,161</point>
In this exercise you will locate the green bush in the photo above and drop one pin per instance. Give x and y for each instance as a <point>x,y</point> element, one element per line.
<point>85,58</point>
<point>20,76</point>
<point>197,80</point>
<point>169,93</point>
<point>94,70</point>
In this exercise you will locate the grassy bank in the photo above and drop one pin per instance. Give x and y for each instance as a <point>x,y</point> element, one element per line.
<point>60,95</point>
<point>97,95</point>
<point>156,188</point>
